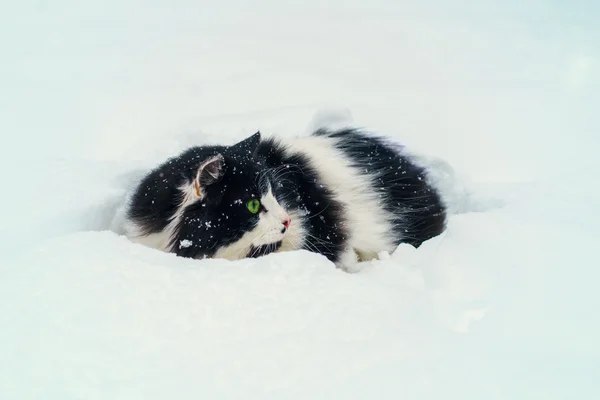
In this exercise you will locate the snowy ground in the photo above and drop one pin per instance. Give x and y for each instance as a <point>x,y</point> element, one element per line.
<point>504,305</point>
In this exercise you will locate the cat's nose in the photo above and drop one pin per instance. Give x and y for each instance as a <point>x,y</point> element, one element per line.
<point>286,224</point>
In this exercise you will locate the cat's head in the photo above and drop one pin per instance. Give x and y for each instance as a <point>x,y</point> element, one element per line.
<point>214,201</point>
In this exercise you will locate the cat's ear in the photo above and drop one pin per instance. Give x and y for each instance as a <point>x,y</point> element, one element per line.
<point>209,172</point>
<point>249,144</point>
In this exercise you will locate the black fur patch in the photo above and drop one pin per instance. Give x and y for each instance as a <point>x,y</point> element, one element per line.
<point>417,210</point>
<point>157,196</point>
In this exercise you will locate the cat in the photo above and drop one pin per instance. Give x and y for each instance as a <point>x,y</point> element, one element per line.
<point>346,194</point>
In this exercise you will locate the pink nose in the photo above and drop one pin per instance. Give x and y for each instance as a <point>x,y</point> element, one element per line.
<point>287,223</point>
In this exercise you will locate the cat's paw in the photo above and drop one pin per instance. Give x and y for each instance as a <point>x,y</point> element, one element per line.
<point>348,261</point>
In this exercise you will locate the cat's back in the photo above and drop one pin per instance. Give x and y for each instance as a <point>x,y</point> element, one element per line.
<point>386,196</point>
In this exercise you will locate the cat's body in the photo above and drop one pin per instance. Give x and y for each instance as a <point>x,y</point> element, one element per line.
<point>344,194</point>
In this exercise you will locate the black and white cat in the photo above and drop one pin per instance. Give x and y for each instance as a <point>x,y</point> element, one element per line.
<point>346,194</point>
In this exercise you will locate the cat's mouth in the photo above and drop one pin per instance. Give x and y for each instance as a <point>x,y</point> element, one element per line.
<point>263,250</point>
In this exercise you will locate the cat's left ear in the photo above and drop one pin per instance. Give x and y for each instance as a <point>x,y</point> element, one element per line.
<point>209,172</point>
<point>249,144</point>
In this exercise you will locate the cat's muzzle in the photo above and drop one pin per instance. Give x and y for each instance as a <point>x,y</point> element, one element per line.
<point>263,250</point>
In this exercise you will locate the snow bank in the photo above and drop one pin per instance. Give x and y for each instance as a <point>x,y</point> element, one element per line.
<point>500,106</point>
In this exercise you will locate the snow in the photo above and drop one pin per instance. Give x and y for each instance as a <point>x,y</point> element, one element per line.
<point>498,98</point>
<point>185,243</point>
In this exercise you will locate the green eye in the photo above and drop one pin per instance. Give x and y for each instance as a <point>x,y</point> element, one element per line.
<point>253,206</point>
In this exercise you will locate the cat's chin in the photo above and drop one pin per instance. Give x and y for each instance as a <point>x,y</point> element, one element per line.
<point>263,249</point>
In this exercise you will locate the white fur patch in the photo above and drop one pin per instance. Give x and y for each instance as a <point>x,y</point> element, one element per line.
<point>368,222</point>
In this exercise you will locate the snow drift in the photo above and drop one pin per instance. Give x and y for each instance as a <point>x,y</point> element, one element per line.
<point>498,101</point>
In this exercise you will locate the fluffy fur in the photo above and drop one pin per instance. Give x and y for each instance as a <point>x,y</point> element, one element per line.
<point>345,194</point>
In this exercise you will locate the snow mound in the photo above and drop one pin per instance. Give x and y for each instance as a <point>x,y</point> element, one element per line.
<point>499,104</point>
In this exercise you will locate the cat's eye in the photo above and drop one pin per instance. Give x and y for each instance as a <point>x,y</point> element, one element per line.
<point>253,206</point>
